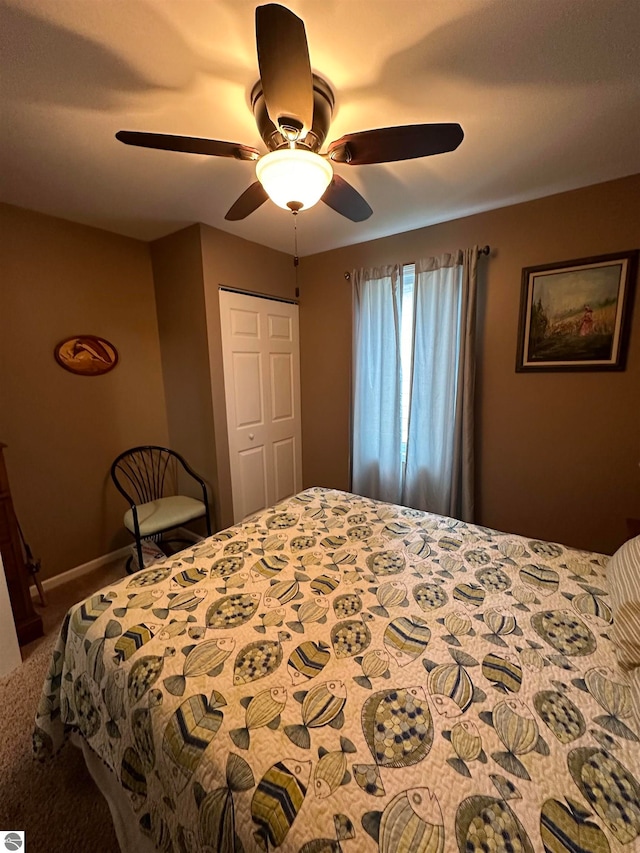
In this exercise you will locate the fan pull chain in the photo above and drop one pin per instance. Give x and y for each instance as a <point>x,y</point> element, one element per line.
<point>296,259</point>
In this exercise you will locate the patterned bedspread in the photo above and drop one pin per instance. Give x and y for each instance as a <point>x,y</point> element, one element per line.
<point>339,674</point>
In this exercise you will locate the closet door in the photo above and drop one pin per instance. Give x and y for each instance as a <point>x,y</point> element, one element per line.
<point>262,388</point>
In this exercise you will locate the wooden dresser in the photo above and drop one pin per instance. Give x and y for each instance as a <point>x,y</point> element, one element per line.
<point>28,622</point>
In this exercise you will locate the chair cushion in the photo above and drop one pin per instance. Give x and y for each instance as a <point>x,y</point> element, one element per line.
<point>164,513</point>
<point>623,579</point>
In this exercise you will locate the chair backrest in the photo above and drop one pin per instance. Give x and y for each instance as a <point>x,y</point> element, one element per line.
<point>146,473</point>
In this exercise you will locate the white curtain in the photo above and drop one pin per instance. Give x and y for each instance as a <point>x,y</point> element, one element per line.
<point>376,463</point>
<point>438,473</point>
<point>439,470</point>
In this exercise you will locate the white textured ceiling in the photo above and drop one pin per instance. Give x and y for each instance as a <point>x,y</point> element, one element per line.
<point>547,92</point>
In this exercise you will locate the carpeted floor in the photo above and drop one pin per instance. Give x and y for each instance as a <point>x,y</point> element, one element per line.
<point>56,804</point>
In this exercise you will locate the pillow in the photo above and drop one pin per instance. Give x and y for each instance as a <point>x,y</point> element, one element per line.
<point>623,577</point>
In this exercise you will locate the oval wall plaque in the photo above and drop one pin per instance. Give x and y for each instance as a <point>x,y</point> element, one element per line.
<point>86,355</point>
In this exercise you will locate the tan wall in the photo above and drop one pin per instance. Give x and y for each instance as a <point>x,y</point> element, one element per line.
<point>63,431</point>
<point>558,454</point>
<point>237,263</point>
<point>182,327</point>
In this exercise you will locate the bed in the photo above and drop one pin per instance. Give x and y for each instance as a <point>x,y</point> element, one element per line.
<point>340,674</point>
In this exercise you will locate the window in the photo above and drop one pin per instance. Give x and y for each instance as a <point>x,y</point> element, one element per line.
<point>406,351</point>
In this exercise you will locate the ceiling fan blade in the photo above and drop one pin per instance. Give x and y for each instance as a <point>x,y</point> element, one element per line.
<point>250,200</point>
<point>285,70</point>
<point>188,144</point>
<point>346,200</point>
<point>388,144</point>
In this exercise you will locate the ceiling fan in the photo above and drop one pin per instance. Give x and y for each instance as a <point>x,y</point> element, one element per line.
<point>293,109</point>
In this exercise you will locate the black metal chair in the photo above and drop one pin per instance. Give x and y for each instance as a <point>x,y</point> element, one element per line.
<point>147,477</point>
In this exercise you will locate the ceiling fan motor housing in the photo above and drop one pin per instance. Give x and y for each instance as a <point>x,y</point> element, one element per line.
<point>323,104</point>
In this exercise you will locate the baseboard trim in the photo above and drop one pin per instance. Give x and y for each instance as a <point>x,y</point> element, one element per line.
<point>104,560</point>
<point>79,571</point>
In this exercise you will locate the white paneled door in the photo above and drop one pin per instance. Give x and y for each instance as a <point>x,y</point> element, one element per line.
<point>262,388</point>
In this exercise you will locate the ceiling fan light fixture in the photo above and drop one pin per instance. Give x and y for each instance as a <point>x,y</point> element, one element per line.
<point>294,178</point>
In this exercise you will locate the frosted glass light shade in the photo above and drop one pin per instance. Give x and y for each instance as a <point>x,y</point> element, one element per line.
<point>294,177</point>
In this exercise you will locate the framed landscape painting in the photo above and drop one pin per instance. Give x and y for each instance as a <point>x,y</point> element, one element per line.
<point>576,315</point>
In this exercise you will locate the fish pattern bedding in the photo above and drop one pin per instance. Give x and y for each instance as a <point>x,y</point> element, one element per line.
<point>341,674</point>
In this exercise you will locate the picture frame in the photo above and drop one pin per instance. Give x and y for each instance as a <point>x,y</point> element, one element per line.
<point>86,355</point>
<point>576,315</point>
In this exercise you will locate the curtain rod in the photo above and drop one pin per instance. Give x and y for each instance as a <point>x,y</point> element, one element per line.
<point>485,250</point>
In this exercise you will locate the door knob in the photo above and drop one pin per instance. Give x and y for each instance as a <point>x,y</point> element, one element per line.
<point>251,436</point>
